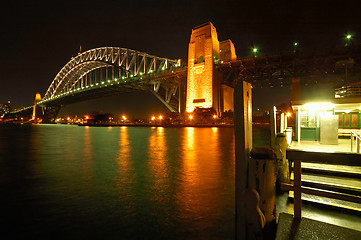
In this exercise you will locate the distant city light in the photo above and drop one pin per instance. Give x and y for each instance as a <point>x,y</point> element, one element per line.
<point>254,50</point>
<point>288,114</point>
<point>295,44</point>
<point>153,118</point>
<point>190,117</point>
<point>349,36</point>
<point>160,117</point>
<point>124,117</point>
<point>214,116</point>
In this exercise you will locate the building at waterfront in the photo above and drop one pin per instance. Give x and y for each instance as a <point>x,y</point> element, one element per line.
<point>323,120</point>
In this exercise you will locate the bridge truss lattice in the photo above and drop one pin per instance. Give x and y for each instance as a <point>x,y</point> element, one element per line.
<point>98,67</point>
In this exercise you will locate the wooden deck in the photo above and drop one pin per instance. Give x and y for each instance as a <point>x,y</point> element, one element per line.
<point>344,145</point>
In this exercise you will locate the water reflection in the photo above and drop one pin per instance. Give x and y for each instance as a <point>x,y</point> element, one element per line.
<point>189,157</point>
<point>124,157</point>
<point>87,152</point>
<point>124,149</point>
<point>202,174</point>
<point>157,155</point>
<point>169,183</point>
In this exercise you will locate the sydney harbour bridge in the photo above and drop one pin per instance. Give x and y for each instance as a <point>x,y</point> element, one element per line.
<point>205,81</point>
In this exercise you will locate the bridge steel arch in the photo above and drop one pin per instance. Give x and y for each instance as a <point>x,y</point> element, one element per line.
<point>126,64</point>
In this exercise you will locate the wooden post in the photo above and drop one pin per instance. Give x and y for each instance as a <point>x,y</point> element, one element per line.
<point>299,125</point>
<point>273,127</point>
<point>282,123</point>
<point>243,146</point>
<point>297,202</point>
<point>357,145</point>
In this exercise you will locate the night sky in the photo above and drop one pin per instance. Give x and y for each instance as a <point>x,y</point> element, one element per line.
<point>38,39</point>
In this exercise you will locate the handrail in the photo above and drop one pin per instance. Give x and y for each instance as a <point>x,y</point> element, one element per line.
<point>358,141</point>
<point>298,189</point>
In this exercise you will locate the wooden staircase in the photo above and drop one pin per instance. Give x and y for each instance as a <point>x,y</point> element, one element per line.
<point>332,176</point>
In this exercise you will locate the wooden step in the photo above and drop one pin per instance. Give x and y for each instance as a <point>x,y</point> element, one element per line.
<point>328,202</point>
<point>333,183</point>
<point>332,169</point>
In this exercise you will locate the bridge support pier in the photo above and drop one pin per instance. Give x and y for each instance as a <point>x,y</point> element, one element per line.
<point>36,100</point>
<point>182,97</point>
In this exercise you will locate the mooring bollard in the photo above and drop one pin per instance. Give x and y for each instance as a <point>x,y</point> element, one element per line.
<point>262,177</point>
<point>283,174</point>
<point>289,133</point>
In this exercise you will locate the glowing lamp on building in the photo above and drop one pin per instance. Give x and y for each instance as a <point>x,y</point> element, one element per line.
<point>318,106</point>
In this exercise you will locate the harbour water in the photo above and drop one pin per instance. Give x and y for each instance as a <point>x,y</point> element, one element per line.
<point>70,182</point>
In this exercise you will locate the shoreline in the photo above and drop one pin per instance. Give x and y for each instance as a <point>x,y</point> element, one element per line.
<point>254,125</point>
<point>159,125</point>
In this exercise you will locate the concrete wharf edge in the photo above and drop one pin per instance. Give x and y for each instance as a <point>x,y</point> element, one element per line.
<point>290,228</point>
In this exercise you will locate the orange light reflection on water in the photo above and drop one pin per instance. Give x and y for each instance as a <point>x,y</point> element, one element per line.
<point>124,156</point>
<point>87,151</point>
<point>157,152</point>
<point>202,172</point>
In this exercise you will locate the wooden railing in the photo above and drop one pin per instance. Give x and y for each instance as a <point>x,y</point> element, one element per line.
<point>297,156</point>
<point>357,136</point>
